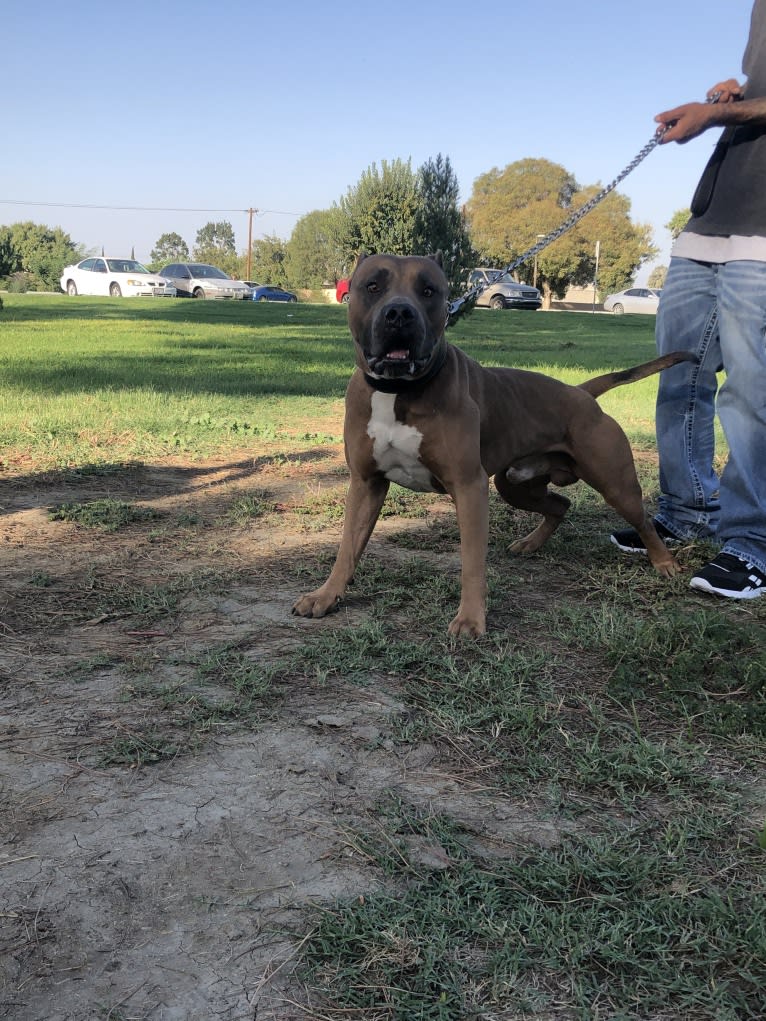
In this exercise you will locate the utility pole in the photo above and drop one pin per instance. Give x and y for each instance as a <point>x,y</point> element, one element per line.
<point>595,275</point>
<point>250,212</point>
<point>534,271</point>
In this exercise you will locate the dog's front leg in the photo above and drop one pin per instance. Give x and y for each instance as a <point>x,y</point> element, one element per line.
<point>363,504</point>
<point>472,508</point>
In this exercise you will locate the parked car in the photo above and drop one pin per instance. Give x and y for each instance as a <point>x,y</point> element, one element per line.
<point>200,280</point>
<point>341,291</point>
<point>502,291</point>
<point>116,277</point>
<point>268,292</point>
<point>635,299</point>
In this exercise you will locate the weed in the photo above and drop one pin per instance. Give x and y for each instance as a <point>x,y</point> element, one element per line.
<point>249,506</point>
<point>136,750</point>
<point>108,515</point>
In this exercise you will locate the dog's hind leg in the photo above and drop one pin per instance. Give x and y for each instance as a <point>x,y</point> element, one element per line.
<point>614,476</point>
<point>533,495</point>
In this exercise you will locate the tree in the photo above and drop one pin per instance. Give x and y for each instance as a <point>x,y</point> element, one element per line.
<point>657,276</point>
<point>38,251</point>
<point>509,208</point>
<point>268,261</point>
<point>378,213</point>
<point>440,223</point>
<point>678,221</point>
<point>215,244</point>
<point>169,248</point>
<point>313,257</point>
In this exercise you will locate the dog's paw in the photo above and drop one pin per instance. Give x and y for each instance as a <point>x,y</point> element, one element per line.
<point>465,626</point>
<point>315,604</point>
<point>667,567</point>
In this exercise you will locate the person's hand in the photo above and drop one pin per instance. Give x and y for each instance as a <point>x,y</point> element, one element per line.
<point>684,122</point>
<point>729,91</point>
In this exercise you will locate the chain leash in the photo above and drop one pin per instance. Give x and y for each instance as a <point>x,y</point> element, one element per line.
<point>463,304</point>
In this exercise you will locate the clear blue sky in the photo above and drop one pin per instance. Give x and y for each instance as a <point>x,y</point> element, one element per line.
<point>220,106</point>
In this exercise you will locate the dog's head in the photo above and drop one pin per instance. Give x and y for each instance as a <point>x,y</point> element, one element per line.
<point>397,314</point>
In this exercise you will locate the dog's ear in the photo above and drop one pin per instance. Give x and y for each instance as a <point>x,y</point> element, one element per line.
<point>438,258</point>
<point>359,260</point>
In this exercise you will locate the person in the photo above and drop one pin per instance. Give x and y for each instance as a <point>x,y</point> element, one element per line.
<point>714,303</point>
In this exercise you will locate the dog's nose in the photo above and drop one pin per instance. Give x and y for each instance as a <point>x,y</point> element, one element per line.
<point>399,315</point>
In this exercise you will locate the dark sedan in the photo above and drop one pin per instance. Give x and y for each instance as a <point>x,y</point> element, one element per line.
<point>267,292</point>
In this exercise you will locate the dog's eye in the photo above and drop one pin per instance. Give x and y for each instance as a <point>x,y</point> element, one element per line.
<point>428,291</point>
<point>372,287</point>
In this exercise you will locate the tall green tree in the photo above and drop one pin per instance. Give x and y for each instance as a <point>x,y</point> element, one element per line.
<point>378,213</point>
<point>269,261</point>
<point>215,244</point>
<point>509,208</point>
<point>440,223</point>
<point>678,221</point>
<point>313,255</point>
<point>169,248</point>
<point>657,277</point>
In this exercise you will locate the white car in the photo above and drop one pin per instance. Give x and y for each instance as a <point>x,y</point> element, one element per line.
<point>635,299</point>
<point>115,277</point>
<point>201,280</point>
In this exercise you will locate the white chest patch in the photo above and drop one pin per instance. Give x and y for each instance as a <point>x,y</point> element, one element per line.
<point>396,447</point>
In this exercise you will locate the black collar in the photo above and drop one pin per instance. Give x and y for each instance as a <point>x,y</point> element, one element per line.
<point>402,385</point>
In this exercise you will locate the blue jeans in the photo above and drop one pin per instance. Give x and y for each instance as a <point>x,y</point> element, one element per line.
<point>718,311</point>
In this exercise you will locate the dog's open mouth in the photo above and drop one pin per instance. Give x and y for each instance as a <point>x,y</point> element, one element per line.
<point>395,363</point>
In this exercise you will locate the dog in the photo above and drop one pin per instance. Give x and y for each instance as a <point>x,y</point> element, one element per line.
<point>422,413</point>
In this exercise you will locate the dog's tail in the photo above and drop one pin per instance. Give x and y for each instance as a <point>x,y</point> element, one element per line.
<point>600,384</point>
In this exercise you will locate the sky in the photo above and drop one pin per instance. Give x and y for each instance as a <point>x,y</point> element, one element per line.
<point>123,122</point>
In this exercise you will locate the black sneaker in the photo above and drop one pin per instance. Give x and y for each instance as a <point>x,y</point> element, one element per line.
<point>730,576</point>
<point>629,541</point>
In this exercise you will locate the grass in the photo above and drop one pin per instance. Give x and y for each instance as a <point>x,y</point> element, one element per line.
<point>107,514</point>
<point>103,380</point>
<point>624,713</point>
<point>628,924</point>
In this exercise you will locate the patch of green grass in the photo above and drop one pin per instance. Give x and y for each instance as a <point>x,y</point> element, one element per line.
<point>150,603</point>
<point>632,924</point>
<point>138,749</point>
<point>95,380</point>
<point>108,515</point>
<point>704,665</point>
<point>249,506</point>
<point>251,681</point>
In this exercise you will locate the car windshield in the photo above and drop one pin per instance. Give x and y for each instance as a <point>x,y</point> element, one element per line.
<point>657,291</point>
<point>199,269</point>
<point>506,278</point>
<point>125,266</point>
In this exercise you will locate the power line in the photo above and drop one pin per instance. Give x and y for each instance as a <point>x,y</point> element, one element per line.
<point>136,209</point>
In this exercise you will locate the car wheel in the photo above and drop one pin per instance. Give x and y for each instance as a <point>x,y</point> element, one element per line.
<point>345,299</point>
<point>618,309</point>
<point>115,291</point>
<point>71,288</point>
<point>263,298</point>
<point>291,300</point>
<point>497,302</point>
<point>198,293</point>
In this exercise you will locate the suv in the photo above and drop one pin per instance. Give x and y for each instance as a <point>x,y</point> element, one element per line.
<point>502,291</point>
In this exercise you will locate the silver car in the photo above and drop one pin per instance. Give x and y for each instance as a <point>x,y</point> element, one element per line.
<point>635,299</point>
<point>200,280</point>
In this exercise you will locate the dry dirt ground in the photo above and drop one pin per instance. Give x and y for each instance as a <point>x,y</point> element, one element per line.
<point>139,881</point>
